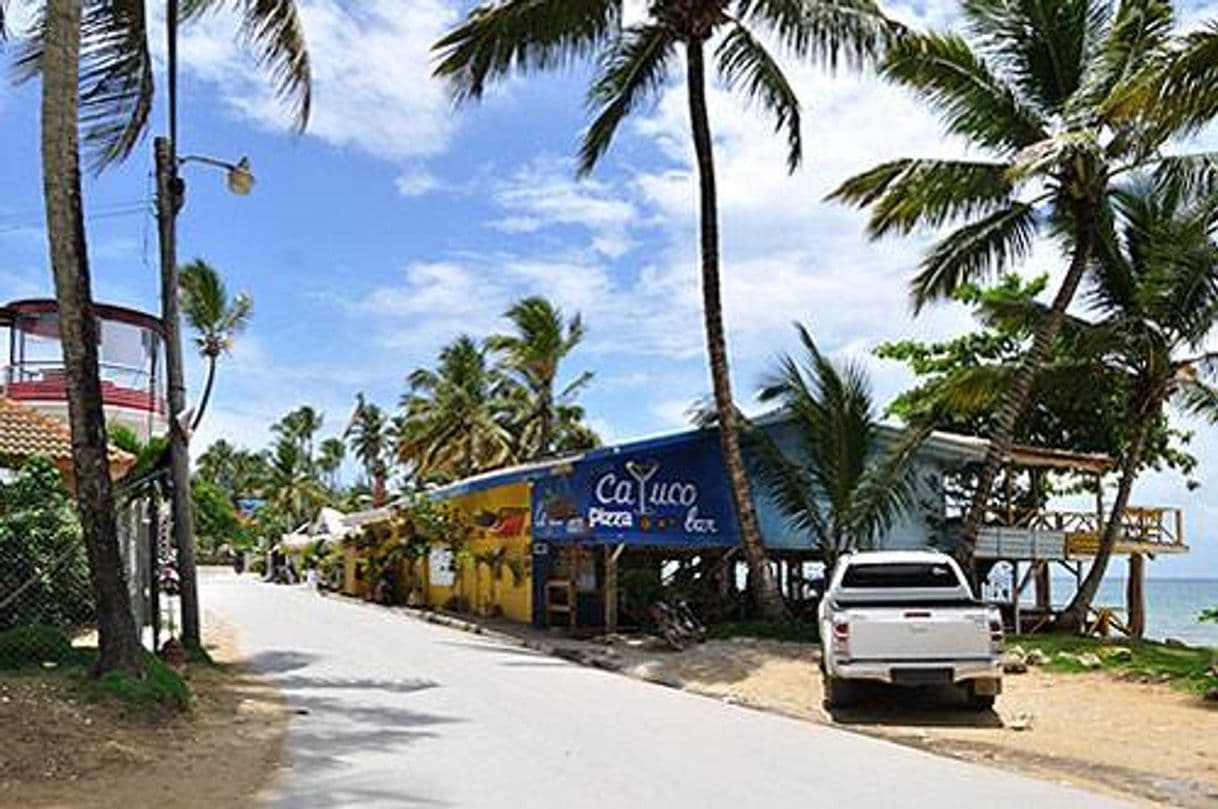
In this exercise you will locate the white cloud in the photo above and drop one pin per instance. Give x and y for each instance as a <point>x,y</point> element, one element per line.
<point>371,74</point>
<point>416,182</point>
<point>545,194</point>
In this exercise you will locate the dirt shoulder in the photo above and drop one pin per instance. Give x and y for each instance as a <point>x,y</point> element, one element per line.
<point>1147,741</point>
<point>60,751</point>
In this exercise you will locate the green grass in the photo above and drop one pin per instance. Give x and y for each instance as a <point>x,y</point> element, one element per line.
<point>159,688</point>
<point>1189,667</point>
<point>790,631</point>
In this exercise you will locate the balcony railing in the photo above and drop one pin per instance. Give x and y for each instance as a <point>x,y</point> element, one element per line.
<point>122,385</point>
<point>1077,533</point>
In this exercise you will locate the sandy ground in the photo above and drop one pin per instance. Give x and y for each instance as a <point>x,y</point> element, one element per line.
<point>1141,740</point>
<point>58,752</point>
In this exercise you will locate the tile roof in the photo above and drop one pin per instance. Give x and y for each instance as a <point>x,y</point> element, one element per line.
<point>24,432</point>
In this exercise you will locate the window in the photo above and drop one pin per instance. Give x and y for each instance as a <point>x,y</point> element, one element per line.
<point>920,575</point>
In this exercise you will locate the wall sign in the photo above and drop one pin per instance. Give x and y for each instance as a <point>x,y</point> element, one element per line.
<point>662,493</point>
<point>440,569</point>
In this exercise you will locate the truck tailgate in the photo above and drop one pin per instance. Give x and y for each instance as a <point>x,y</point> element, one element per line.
<point>917,633</point>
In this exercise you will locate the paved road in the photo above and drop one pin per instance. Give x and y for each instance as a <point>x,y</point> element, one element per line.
<point>406,714</point>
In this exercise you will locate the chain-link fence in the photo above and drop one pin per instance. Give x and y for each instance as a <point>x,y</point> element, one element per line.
<point>46,596</point>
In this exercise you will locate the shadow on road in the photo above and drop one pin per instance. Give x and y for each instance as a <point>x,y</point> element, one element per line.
<point>276,662</point>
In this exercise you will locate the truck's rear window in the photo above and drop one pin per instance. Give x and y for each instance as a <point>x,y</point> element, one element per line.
<point>904,575</point>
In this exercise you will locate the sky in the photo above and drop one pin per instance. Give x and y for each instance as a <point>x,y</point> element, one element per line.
<point>397,222</point>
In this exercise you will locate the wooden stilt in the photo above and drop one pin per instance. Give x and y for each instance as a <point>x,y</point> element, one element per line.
<point>1135,595</point>
<point>1044,596</point>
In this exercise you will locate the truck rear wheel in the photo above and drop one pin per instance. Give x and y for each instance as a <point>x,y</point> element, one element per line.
<point>837,692</point>
<point>979,702</point>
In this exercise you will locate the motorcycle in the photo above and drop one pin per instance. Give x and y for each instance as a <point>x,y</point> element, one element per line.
<point>677,624</point>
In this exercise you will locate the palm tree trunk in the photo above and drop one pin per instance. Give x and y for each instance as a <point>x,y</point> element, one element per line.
<point>1015,403</point>
<point>118,643</point>
<point>546,421</point>
<point>1074,616</point>
<point>764,590</point>
<point>207,386</point>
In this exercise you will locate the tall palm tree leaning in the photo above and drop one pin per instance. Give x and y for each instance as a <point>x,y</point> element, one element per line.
<point>542,339</point>
<point>60,61</point>
<point>1157,289</point>
<point>633,65</point>
<point>216,319</point>
<point>1064,96</point>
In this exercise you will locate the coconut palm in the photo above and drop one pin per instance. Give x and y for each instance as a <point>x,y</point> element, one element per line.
<point>633,63</point>
<point>834,480</point>
<point>542,339</point>
<point>118,643</point>
<point>1155,289</point>
<point>368,435</point>
<point>457,418</point>
<point>299,427</point>
<point>292,488</point>
<point>217,465</point>
<point>1058,98</point>
<point>330,458</point>
<point>216,318</point>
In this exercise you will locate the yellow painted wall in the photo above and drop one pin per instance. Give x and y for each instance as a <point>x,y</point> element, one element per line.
<point>501,521</point>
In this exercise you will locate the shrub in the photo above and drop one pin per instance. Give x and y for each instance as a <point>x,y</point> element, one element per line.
<point>33,644</point>
<point>42,558</point>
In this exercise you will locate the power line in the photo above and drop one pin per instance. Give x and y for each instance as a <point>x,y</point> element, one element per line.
<point>101,212</point>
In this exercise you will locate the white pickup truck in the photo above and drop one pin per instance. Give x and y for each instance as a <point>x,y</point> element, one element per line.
<point>908,618</point>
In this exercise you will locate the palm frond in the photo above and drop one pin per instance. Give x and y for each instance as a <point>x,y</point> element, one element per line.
<point>1191,175</point>
<point>927,193</point>
<point>116,77</point>
<point>1044,45</point>
<point>887,488</point>
<point>826,32</point>
<point>1198,399</point>
<point>273,31</point>
<point>1135,44</point>
<point>632,71</point>
<point>975,251</point>
<point>1188,91</point>
<point>972,101</point>
<point>522,35</point>
<point>745,65</point>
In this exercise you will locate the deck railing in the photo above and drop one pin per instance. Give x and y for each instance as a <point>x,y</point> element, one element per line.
<point>1151,527</point>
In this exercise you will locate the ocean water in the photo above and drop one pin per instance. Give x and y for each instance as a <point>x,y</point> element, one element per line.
<point>1172,606</point>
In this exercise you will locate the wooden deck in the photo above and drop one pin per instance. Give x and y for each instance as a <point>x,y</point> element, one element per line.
<point>1061,535</point>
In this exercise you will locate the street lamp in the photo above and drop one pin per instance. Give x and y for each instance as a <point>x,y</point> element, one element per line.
<point>171,195</point>
<point>238,176</point>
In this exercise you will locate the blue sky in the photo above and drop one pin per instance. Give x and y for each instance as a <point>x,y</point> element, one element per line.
<point>396,223</point>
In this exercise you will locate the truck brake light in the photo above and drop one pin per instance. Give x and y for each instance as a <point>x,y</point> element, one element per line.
<point>996,635</point>
<point>841,640</point>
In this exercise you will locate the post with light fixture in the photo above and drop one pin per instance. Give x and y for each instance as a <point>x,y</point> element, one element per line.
<point>171,195</point>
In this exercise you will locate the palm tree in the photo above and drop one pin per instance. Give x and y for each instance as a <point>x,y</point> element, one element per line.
<point>292,488</point>
<point>216,319</point>
<point>368,435</point>
<point>542,339</point>
<point>60,61</point>
<point>633,64</point>
<point>217,465</point>
<point>300,426</point>
<point>1157,287</point>
<point>457,418</point>
<point>1060,98</point>
<point>837,482</point>
<point>330,459</point>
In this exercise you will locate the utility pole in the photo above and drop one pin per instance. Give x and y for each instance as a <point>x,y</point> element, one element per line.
<point>170,194</point>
